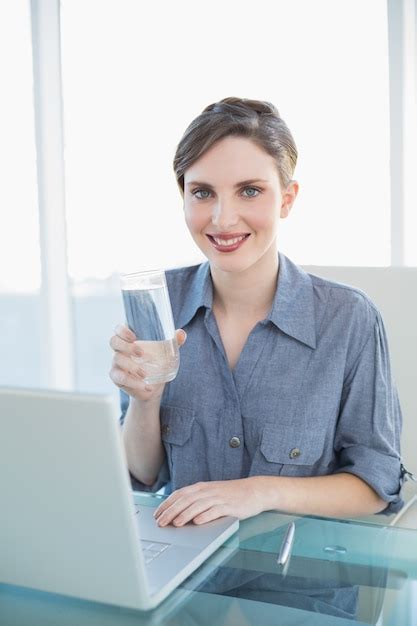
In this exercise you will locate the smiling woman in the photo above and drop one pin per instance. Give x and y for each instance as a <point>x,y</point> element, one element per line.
<point>213,218</point>
<point>119,188</point>
<point>248,150</point>
<point>284,398</point>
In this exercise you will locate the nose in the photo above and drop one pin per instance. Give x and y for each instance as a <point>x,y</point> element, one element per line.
<point>225,215</point>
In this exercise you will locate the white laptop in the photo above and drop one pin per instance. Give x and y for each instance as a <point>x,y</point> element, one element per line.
<point>68,520</point>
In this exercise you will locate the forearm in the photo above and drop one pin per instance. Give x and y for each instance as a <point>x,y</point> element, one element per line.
<point>337,495</point>
<point>141,437</point>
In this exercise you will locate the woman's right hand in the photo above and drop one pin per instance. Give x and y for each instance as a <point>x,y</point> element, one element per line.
<point>126,373</point>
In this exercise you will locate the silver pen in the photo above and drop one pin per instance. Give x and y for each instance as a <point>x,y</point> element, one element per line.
<point>286,546</point>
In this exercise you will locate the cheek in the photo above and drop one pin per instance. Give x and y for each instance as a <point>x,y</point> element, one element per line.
<point>195,220</point>
<point>263,219</point>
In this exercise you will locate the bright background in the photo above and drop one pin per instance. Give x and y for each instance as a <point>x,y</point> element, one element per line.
<point>129,98</point>
<point>134,75</point>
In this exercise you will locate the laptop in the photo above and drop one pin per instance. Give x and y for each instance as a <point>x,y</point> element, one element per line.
<point>69,523</point>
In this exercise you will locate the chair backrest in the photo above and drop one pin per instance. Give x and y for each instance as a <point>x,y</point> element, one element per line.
<point>394,291</point>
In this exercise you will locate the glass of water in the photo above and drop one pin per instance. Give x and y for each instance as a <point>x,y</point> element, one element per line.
<point>149,316</point>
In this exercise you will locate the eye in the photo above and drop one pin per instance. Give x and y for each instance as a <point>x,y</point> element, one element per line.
<point>251,192</point>
<point>201,194</point>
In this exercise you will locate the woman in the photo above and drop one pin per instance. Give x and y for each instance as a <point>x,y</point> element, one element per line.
<point>284,397</point>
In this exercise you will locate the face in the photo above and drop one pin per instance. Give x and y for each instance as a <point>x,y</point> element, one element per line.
<point>233,202</point>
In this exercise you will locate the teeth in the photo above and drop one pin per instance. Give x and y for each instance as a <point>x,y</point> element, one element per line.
<point>228,242</point>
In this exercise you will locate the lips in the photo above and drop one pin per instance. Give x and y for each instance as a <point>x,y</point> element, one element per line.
<point>227,242</point>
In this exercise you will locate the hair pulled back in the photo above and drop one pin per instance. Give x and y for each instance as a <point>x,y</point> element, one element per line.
<point>253,119</point>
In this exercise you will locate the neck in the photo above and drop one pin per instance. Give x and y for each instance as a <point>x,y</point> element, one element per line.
<point>251,291</point>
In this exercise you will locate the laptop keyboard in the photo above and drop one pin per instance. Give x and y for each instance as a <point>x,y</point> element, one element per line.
<point>152,549</point>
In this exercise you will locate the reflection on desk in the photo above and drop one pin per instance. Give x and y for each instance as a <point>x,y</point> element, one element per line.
<point>370,581</point>
<point>309,594</point>
<point>326,587</point>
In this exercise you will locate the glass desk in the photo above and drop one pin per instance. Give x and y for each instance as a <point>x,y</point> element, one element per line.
<point>340,572</point>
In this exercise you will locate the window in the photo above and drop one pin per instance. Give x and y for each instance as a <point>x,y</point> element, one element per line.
<point>134,75</point>
<point>409,104</point>
<point>154,67</point>
<point>20,274</point>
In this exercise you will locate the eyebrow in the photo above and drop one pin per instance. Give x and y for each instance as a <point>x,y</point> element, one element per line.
<point>241,184</point>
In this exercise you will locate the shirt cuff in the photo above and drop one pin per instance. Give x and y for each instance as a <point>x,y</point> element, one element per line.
<point>161,481</point>
<point>380,471</point>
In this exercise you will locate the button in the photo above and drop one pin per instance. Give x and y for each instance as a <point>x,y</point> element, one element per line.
<point>295,453</point>
<point>165,429</point>
<point>234,442</point>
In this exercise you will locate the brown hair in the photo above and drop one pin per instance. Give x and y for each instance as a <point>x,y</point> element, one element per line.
<point>254,119</point>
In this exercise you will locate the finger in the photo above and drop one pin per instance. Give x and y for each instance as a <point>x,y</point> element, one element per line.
<point>120,345</point>
<point>195,510</point>
<point>131,391</point>
<point>175,496</point>
<point>183,511</point>
<point>129,383</point>
<point>170,501</point>
<point>176,502</point>
<point>125,333</point>
<point>214,512</point>
<point>181,337</point>
<point>182,498</point>
<point>121,378</point>
<point>171,512</point>
<point>126,363</point>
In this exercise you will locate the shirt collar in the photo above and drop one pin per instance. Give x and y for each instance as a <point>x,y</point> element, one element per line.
<point>293,306</point>
<point>200,295</point>
<point>292,310</point>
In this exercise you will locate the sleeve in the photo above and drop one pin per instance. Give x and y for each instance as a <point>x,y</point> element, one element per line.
<point>367,438</point>
<point>163,476</point>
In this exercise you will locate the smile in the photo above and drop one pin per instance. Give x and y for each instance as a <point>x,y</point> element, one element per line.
<point>227,243</point>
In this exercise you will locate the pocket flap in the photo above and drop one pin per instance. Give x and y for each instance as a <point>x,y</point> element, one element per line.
<point>176,424</point>
<point>291,446</point>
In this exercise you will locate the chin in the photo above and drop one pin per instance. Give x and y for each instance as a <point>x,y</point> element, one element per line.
<point>233,266</point>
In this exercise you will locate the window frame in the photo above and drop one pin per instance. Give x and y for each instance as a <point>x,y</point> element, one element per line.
<point>57,328</point>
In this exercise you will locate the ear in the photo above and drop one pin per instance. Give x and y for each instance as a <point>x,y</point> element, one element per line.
<point>288,198</point>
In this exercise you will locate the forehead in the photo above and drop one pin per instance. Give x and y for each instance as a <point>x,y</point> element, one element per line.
<point>232,159</point>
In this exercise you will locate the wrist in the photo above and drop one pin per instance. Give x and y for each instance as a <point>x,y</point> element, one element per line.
<point>146,404</point>
<point>143,411</point>
<point>264,492</point>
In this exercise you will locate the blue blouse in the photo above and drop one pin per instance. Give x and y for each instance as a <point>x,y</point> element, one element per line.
<point>311,394</point>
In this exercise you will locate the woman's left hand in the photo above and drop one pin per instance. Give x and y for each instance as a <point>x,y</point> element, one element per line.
<point>206,501</point>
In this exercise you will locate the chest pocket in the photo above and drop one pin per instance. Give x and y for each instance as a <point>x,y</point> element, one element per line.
<point>177,436</point>
<point>290,451</point>
<point>176,424</point>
